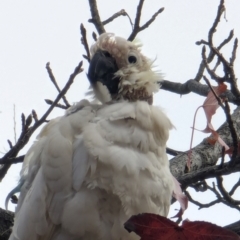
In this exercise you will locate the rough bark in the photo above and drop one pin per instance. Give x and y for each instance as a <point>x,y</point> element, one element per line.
<point>6,222</point>
<point>204,154</point>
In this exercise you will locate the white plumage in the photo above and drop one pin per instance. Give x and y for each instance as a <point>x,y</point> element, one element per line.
<point>99,164</point>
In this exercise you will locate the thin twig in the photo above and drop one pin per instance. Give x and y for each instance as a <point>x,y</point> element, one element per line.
<point>221,9</point>
<point>28,131</point>
<point>94,35</point>
<point>201,205</point>
<point>233,133</point>
<point>234,52</point>
<point>214,93</point>
<point>149,22</point>
<point>95,17</point>
<point>235,187</point>
<point>10,143</point>
<point>137,28</point>
<point>211,32</point>
<point>232,129</point>
<point>210,72</point>
<point>34,115</point>
<point>52,78</point>
<point>172,152</point>
<point>84,42</point>
<point>59,105</point>
<point>225,194</point>
<point>116,15</point>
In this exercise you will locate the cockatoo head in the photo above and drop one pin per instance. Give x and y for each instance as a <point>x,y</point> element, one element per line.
<point>119,71</point>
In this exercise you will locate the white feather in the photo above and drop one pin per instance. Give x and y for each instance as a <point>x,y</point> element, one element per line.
<point>95,167</point>
<point>92,170</point>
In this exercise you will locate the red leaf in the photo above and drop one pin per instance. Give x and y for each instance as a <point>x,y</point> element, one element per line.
<point>154,227</point>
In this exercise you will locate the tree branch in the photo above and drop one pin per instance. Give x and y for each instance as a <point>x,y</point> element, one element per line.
<point>27,131</point>
<point>192,86</point>
<point>205,155</point>
<point>137,28</point>
<point>95,17</point>
<point>52,78</point>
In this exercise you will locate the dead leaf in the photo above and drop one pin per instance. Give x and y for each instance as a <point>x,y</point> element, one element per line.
<point>209,106</point>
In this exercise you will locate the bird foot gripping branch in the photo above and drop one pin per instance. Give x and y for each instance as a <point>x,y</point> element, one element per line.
<point>93,168</point>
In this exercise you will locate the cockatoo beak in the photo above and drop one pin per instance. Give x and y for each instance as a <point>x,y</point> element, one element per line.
<point>102,69</point>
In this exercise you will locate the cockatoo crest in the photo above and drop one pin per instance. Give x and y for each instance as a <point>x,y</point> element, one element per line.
<point>135,78</point>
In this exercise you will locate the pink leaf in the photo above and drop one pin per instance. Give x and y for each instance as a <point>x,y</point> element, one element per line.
<point>209,106</point>
<point>182,199</point>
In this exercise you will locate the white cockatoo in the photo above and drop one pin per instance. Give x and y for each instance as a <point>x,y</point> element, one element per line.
<point>90,170</point>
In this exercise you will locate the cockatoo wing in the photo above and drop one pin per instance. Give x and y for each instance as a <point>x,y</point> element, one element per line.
<point>48,175</point>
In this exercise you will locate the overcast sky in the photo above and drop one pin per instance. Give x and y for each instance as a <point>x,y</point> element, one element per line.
<point>36,32</point>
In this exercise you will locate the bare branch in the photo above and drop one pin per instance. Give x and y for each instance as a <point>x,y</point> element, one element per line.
<point>52,78</point>
<point>150,21</point>
<point>201,205</point>
<point>173,152</point>
<point>227,40</point>
<point>221,9</point>
<point>12,160</point>
<point>212,30</point>
<point>27,132</point>
<point>10,143</point>
<point>233,203</point>
<point>214,93</point>
<point>59,105</point>
<point>206,173</point>
<point>234,188</point>
<point>94,35</point>
<point>205,155</point>
<point>137,28</point>
<point>192,86</point>
<point>116,15</point>
<point>210,72</point>
<point>34,115</point>
<point>95,17</point>
<point>221,194</point>
<point>234,52</point>
<point>84,41</point>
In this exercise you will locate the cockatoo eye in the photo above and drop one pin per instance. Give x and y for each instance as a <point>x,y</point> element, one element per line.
<point>132,59</point>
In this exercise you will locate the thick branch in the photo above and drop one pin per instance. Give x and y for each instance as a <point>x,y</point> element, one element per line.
<point>206,173</point>
<point>6,222</point>
<point>205,155</point>
<point>192,86</point>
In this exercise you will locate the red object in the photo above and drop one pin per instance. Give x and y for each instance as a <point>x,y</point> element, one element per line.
<point>154,227</point>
